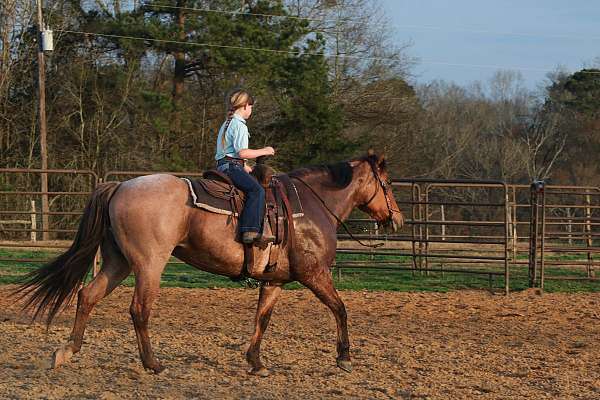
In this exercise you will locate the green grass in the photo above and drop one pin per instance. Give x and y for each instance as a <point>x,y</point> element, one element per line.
<point>180,275</point>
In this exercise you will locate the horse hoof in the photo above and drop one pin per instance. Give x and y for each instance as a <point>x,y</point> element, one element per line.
<point>345,365</point>
<point>262,372</point>
<point>61,356</point>
<point>157,369</point>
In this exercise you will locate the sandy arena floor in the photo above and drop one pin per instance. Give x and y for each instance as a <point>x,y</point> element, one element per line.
<point>461,345</point>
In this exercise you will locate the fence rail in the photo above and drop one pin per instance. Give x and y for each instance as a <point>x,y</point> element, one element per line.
<point>449,223</point>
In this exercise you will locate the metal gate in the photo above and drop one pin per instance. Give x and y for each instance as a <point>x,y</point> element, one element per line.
<point>452,226</point>
<point>564,233</point>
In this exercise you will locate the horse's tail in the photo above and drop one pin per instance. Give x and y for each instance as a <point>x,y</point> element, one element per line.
<point>57,282</point>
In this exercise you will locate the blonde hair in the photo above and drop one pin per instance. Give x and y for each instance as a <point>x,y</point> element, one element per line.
<point>237,99</point>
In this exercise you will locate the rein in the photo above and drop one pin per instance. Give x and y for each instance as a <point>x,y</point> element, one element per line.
<point>374,246</point>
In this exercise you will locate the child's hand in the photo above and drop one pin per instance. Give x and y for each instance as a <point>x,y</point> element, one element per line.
<point>269,151</point>
<point>247,168</point>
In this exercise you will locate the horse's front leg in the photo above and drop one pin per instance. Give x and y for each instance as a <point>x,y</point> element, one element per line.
<point>266,301</point>
<point>322,286</point>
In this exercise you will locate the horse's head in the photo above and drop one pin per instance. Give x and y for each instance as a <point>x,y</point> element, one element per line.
<point>375,196</point>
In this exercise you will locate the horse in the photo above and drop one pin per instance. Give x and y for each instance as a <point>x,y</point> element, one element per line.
<point>140,223</point>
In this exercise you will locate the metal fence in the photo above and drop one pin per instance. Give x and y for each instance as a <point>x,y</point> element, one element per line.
<point>25,224</point>
<point>564,233</point>
<point>452,226</point>
<point>33,228</point>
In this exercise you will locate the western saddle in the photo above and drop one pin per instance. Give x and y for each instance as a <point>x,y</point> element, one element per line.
<point>216,193</point>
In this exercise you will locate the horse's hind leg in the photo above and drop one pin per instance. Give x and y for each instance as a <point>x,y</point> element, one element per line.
<point>322,287</point>
<point>266,301</point>
<point>147,284</point>
<point>114,269</point>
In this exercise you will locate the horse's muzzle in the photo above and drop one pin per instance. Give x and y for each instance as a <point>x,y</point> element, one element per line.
<point>397,221</point>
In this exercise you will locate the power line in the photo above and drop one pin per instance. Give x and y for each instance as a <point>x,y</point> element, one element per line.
<point>222,46</point>
<point>306,53</point>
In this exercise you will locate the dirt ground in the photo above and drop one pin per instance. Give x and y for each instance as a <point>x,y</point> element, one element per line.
<point>458,345</point>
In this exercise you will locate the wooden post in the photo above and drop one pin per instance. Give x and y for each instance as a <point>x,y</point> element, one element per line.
<point>510,221</point>
<point>42,123</point>
<point>425,217</point>
<point>33,222</point>
<point>443,220</point>
<point>96,263</point>
<point>588,228</point>
<point>515,224</point>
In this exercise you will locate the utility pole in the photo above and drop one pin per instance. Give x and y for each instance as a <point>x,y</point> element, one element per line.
<point>42,122</point>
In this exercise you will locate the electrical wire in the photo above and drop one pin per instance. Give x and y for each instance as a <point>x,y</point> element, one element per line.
<point>222,46</point>
<point>308,53</point>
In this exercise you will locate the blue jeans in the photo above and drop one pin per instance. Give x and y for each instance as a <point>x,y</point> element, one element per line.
<point>254,207</point>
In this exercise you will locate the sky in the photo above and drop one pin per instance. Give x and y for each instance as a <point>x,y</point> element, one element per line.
<point>530,36</point>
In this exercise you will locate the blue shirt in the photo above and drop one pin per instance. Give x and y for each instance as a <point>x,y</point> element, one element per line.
<point>236,138</point>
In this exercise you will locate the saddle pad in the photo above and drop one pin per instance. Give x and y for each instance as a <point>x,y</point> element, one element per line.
<point>204,200</point>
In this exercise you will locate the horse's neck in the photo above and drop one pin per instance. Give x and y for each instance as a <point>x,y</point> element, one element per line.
<point>340,201</point>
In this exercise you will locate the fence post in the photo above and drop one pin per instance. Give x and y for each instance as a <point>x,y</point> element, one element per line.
<point>509,221</point>
<point>96,263</point>
<point>543,237</point>
<point>588,228</point>
<point>98,256</point>
<point>537,188</point>
<point>415,216</point>
<point>515,225</point>
<point>507,232</point>
<point>443,214</point>
<point>426,201</point>
<point>33,222</point>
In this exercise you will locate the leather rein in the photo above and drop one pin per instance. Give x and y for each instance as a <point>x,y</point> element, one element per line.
<point>381,184</point>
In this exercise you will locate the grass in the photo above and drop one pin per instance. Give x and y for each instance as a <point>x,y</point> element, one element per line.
<point>180,275</point>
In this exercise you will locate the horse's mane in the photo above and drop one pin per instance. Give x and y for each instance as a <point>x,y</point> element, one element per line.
<point>341,173</point>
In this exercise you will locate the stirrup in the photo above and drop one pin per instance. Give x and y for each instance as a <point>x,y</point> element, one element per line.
<point>250,237</point>
<point>264,239</point>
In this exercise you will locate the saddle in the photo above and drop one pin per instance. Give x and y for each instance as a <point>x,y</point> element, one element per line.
<point>216,193</point>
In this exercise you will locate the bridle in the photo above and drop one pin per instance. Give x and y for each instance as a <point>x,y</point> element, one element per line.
<point>386,189</point>
<point>381,184</point>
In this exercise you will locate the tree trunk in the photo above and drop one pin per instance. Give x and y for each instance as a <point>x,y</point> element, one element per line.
<point>179,76</point>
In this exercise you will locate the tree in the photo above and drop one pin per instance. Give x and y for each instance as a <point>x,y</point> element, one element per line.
<point>576,99</point>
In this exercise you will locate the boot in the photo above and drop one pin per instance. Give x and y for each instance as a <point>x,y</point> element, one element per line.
<point>266,238</point>
<point>250,237</point>
<point>255,237</point>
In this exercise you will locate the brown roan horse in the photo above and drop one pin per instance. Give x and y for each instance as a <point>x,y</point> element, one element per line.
<point>140,223</point>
